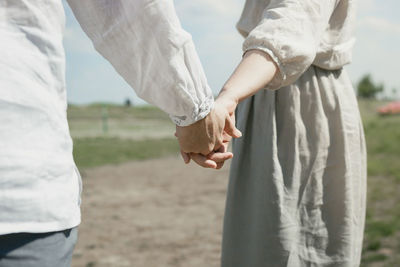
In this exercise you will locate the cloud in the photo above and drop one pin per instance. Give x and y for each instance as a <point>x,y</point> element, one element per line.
<point>380,24</point>
<point>365,6</point>
<point>212,25</point>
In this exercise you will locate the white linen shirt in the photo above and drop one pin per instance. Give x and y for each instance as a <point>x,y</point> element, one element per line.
<point>143,40</point>
<point>298,34</point>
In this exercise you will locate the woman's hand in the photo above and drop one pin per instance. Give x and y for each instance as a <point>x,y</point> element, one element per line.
<point>206,135</point>
<point>214,160</point>
<point>253,73</point>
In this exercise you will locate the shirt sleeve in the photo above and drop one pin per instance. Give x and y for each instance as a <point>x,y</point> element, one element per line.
<point>144,41</point>
<point>290,32</point>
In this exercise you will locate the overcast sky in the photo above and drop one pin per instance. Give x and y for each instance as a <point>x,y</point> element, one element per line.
<point>212,24</point>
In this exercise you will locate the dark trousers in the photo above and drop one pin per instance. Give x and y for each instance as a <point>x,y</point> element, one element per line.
<point>38,250</point>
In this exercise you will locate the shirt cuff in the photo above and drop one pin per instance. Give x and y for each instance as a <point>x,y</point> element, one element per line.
<point>198,113</point>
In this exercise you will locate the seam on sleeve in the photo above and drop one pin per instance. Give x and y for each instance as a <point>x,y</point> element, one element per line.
<point>202,104</point>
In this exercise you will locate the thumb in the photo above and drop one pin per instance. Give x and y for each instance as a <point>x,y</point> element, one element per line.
<point>185,157</point>
<point>230,128</point>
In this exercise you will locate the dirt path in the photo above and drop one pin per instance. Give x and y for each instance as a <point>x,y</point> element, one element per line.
<point>151,213</point>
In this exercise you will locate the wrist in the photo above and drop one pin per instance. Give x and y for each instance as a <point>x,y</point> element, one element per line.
<point>228,100</point>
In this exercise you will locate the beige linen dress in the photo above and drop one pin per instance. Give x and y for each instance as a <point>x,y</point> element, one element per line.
<point>297,185</point>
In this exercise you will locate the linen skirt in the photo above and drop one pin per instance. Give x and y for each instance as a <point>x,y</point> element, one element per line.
<point>297,189</point>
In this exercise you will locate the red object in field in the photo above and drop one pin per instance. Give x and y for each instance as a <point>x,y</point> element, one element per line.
<point>391,108</point>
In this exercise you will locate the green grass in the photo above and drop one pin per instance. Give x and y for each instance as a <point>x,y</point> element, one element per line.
<point>101,120</point>
<point>95,111</point>
<point>91,152</point>
<point>134,133</point>
<point>383,143</point>
<point>382,230</point>
<point>374,258</point>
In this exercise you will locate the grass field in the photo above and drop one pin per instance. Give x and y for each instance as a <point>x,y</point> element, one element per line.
<point>128,134</point>
<point>122,122</point>
<point>141,133</point>
<point>91,152</point>
<point>382,233</point>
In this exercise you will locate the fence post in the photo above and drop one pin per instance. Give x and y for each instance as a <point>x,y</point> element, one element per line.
<point>104,116</point>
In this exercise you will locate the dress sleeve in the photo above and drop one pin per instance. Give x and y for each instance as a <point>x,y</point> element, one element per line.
<point>290,32</point>
<point>144,41</point>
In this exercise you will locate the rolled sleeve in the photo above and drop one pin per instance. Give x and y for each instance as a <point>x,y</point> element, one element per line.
<point>147,46</point>
<point>290,33</point>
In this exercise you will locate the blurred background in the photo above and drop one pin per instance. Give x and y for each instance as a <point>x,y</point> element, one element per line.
<point>143,207</point>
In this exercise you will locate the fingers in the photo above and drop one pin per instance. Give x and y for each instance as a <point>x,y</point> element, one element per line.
<point>220,165</point>
<point>208,134</point>
<point>209,148</point>
<point>226,138</point>
<point>214,160</point>
<point>219,144</point>
<point>205,142</point>
<point>220,157</point>
<point>230,128</point>
<point>203,161</point>
<point>185,157</point>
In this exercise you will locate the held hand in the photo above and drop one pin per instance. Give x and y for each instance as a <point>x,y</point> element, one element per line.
<point>217,157</point>
<point>214,160</point>
<point>254,72</point>
<point>206,135</point>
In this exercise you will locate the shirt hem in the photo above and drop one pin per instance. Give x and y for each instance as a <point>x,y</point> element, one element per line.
<point>38,227</point>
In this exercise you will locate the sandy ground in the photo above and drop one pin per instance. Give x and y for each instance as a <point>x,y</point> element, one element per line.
<point>151,213</point>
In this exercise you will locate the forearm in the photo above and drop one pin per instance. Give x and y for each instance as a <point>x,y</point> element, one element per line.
<point>253,73</point>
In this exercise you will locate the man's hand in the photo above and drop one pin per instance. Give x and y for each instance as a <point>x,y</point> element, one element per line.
<point>214,160</point>
<point>206,135</point>
<point>254,72</point>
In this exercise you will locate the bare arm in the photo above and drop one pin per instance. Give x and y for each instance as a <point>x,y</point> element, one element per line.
<point>277,51</point>
<point>253,73</point>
